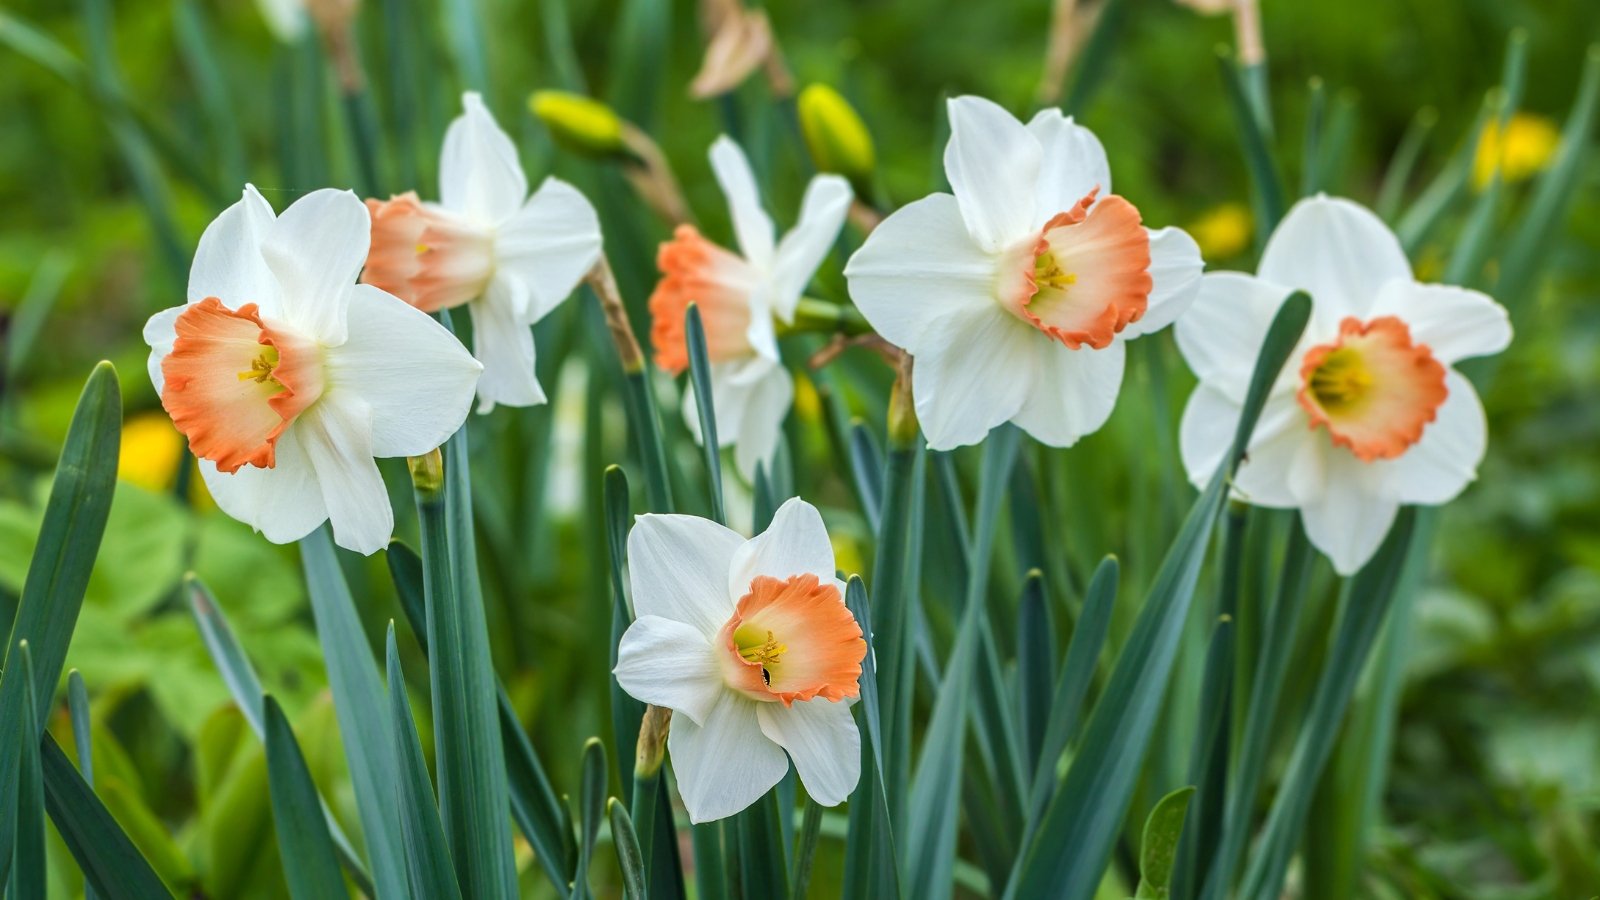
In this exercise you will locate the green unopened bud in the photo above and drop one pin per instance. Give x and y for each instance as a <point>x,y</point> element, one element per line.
<point>579,123</point>
<point>836,136</point>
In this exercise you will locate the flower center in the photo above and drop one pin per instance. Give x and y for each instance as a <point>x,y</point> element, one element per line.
<point>694,270</point>
<point>792,639</point>
<point>233,383</point>
<point>426,256</point>
<point>1085,276</point>
<point>1372,388</point>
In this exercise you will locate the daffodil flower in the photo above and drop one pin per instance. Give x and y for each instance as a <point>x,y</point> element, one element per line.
<point>1369,413</point>
<point>288,378</point>
<point>508,257</point>
<point>750,644</point>
<point>1016,294</point>
<point>738,295</point>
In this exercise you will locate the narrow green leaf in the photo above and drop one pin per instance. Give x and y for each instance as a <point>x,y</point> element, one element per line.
<point>1265,182</point>
<point>1365,603</point>
<point>639,45</point>
<point>463,30</point>
<point>533,801</point>
<point>700,379</point>
<point>1159,846</point>
<point>1076,835</point>
<point>872,867</point>
<point>245,688</point>
<point>710,872</point>
<point>52,594</point>
<point>1316,112</point>
<point>28,875</point>
<point>763,869</point>
<point>591,806</point>
<point>1404,162</point>
<point>936,789</point>
<point>1094,59</point>
<point>473,790</point>
<point>309,863</point>
<point>197,43</point>
<point>894,626</point>
<point>645,425</point>
<point>78,709</point>
<point>866,469</point>
<point>433,875</point>
<point>1072,685</point>
<point>1472,247</point>
<point>111,864</point>
<point>1554,193</point>
<point>629,859</point>
<point>28,317</point>
<point>361,707</point>
<point>1441,194</point>
<point>805,850</point>
<point>625,710</point>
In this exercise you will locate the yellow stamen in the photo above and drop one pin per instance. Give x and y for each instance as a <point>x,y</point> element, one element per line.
<point>1047,273</point>
<point>1341,381</point>
<point>261,367</point>
<point>765,653</point>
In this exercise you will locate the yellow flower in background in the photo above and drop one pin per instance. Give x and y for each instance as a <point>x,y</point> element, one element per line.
<point>579,123</point>
<point>1223,231</point>
<point>150,451</point>
<point>837,138</point>
<point>1521,150</point>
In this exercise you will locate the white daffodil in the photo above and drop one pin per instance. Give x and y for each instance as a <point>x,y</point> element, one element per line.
<point>1368,414</point>
<point>510,262</point>
<point>737,296</point>
<point>1014,296</point>
<point>287,377</point>
<point>751,645</point>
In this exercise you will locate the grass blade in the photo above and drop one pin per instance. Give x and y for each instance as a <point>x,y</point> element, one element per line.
<point>1267,185</point>
<point>629,859</point>
<point>591,804</point>
<point>763,870</point>
<point>1036,666</point>
<point>58,574</point>
<point>1404,162</point>
<point>245,688</point>
<point>1075,838</point>
<point>626,712</point>
<point>362,710</point>
<point>1366,601</point>
<point>28,877</point>
<point>700,378</point>
<point>805,850</point>
<point>110,862</point>
<point>872,867</point>
<point>433,875</point>
<point>534,806</point>
<point>309,863</point>
<point>78,708</point>
<point>473,789</point>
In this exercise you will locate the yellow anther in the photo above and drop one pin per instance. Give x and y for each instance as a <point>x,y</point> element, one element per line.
<point>765,653</point>
<point>1047,273</point>
<point>1342,379</point>
<point>261,367</point>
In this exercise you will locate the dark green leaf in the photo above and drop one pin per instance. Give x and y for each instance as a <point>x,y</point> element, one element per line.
<point>1266,184</point>
<point>309,863</point>
<point>872,867</point>
<point>110,862</point>
<point>705,407</point>
<point>629,859</point>
<point>433,875</point>
<point>591,806</point>
<point>58,574</point>
<point>28,876</point>
<point>78,709</point>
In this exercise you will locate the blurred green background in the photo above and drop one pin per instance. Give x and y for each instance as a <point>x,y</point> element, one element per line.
<point>130,125</point>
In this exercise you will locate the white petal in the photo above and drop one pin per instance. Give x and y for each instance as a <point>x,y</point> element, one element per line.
<point>414,375</point>
<point>1073,164</point>
<point>751,225</point>
<point>1073,394</point>
<point>1445,461</point>
<point>1206,432</point>
<point>993,164</point>
<point>1175,267</point>
<point>1221,333</point>
<point>1281,441</point>
<point>974,371</point>
<point>918,266</point>
<point>160,330</point>
<point>822,739</point>
<point>726,764</point>
<point>670,664</point>
<point>549,244</point>
<point>678,569</point>
<point>480,175</point>
<point>1339,252</point>
<point>1349,522</point>
<point>503,342</point>
<point>227,262</point>
<point>1456,323</point>
<point>750,397</point>
<point>803,249</point>
<point>796,543</point>
<point>337,434</point>
<point>284,502</point>
<point>315,250</point>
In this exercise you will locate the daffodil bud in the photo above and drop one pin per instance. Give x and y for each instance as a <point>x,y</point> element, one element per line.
<point>427,472</point>
<point>581,124</point>
<point>836,136</point>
